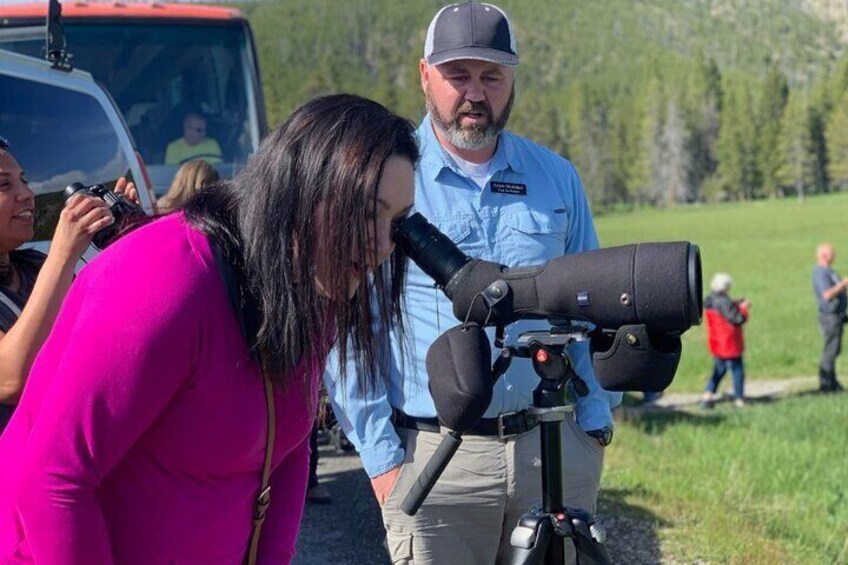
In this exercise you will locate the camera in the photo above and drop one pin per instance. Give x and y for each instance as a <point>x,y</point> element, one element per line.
<point>122,210</point>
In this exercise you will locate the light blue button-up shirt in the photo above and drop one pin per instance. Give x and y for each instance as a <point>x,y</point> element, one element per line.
<point>531,210</point>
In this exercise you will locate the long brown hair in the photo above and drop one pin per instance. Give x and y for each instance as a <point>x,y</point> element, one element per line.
<point>190,178</point>
<point>328,155</point>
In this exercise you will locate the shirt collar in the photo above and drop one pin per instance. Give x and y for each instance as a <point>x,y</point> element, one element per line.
<point>435,158</point>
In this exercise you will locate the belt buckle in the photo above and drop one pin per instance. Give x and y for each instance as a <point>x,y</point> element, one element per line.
<point>501,433</point>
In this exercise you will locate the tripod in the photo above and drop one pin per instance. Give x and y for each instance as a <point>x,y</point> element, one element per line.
<point>541,533</point>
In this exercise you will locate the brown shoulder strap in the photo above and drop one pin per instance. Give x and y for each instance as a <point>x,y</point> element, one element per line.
<point>264,499</point>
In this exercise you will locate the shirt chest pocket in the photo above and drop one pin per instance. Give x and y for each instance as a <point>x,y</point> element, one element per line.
<point>531,237</point>
<point>463,234</point>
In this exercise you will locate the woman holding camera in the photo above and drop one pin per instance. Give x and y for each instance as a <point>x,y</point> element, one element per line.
<point>168,416</point>
<point>32,285</point>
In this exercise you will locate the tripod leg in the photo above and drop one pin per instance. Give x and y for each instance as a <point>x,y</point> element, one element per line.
<point>531,539</point>
<point>589,550</point>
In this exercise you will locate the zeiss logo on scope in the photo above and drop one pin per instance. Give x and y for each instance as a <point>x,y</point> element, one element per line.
<point>583,298</point>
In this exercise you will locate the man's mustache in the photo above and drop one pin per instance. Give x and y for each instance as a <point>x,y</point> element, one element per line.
<point>477,107</point>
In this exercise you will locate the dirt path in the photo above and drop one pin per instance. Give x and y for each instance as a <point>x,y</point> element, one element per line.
<point>758,390</point>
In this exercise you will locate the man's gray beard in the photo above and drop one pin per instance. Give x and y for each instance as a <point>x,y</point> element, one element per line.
<point>469,138</point>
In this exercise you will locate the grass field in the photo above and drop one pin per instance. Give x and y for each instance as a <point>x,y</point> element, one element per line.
<point>768,247</point>
<point>767,484</point>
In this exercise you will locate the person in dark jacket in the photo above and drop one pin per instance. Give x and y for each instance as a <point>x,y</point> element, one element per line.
<point>725,318</point>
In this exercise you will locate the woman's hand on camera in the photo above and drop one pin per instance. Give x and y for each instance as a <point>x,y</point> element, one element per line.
<point>81,218</point>
<point>128,190</point>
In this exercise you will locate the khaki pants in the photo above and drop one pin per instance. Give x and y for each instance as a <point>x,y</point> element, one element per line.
<point>469,515</point>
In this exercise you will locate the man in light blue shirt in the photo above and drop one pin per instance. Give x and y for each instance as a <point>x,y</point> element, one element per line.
<point>501,198</point>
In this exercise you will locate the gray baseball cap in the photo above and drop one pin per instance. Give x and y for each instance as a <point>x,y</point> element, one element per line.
<point>470,30</point>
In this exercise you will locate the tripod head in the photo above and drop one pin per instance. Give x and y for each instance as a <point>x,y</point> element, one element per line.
<point>547,351</point>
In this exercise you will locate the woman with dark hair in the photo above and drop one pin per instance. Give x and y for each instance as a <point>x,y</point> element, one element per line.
<point>32,285</point>
<point>168,416</point>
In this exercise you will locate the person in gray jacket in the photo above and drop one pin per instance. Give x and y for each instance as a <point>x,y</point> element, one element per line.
<point>830,292</point>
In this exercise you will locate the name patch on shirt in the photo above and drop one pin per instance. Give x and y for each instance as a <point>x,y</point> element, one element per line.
<point>509,188</point>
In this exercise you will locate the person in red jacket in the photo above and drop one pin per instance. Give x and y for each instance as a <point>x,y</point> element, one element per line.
<point>725,318</point>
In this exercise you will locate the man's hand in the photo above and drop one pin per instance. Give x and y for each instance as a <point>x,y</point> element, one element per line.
<point>127,190</point>
<point>383,484</point>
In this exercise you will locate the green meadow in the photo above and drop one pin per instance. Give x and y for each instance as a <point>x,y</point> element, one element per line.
<point>763,485</point>
<point>767,484</point>
<point>768,247</point>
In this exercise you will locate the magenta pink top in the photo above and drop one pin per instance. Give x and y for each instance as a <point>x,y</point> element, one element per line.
<point>141,433</point>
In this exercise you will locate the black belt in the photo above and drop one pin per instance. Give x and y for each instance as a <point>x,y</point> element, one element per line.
<point>506,425</point>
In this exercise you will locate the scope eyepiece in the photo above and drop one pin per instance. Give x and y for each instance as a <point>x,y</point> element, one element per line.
<point>431,250</point>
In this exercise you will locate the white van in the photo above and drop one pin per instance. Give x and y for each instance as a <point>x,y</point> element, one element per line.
<point>63,127</point>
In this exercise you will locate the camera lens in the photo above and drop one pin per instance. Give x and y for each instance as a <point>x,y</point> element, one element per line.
<point>72,189</point>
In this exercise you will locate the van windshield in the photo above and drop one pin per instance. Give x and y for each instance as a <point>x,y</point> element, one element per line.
<point>184,89</point>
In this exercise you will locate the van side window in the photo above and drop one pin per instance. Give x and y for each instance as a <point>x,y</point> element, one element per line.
<point>59,137</point>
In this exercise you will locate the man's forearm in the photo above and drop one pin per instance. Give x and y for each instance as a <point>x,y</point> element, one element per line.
<point>834,291</point>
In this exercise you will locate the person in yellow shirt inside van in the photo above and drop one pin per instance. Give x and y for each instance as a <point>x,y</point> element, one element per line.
<point>193,144</point>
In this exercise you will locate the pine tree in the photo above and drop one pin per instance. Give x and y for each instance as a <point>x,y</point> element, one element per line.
<point>675,162</point>
<point>624,144</point>
<point>589,145</point>
<point>702,116</point>
<point>797,171</point>
<point>838,85</point>
<point>775,92</point>
<point>821,178</point>
<point>738,169</point>
<point>646,184</point>
<point>837,143</point>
